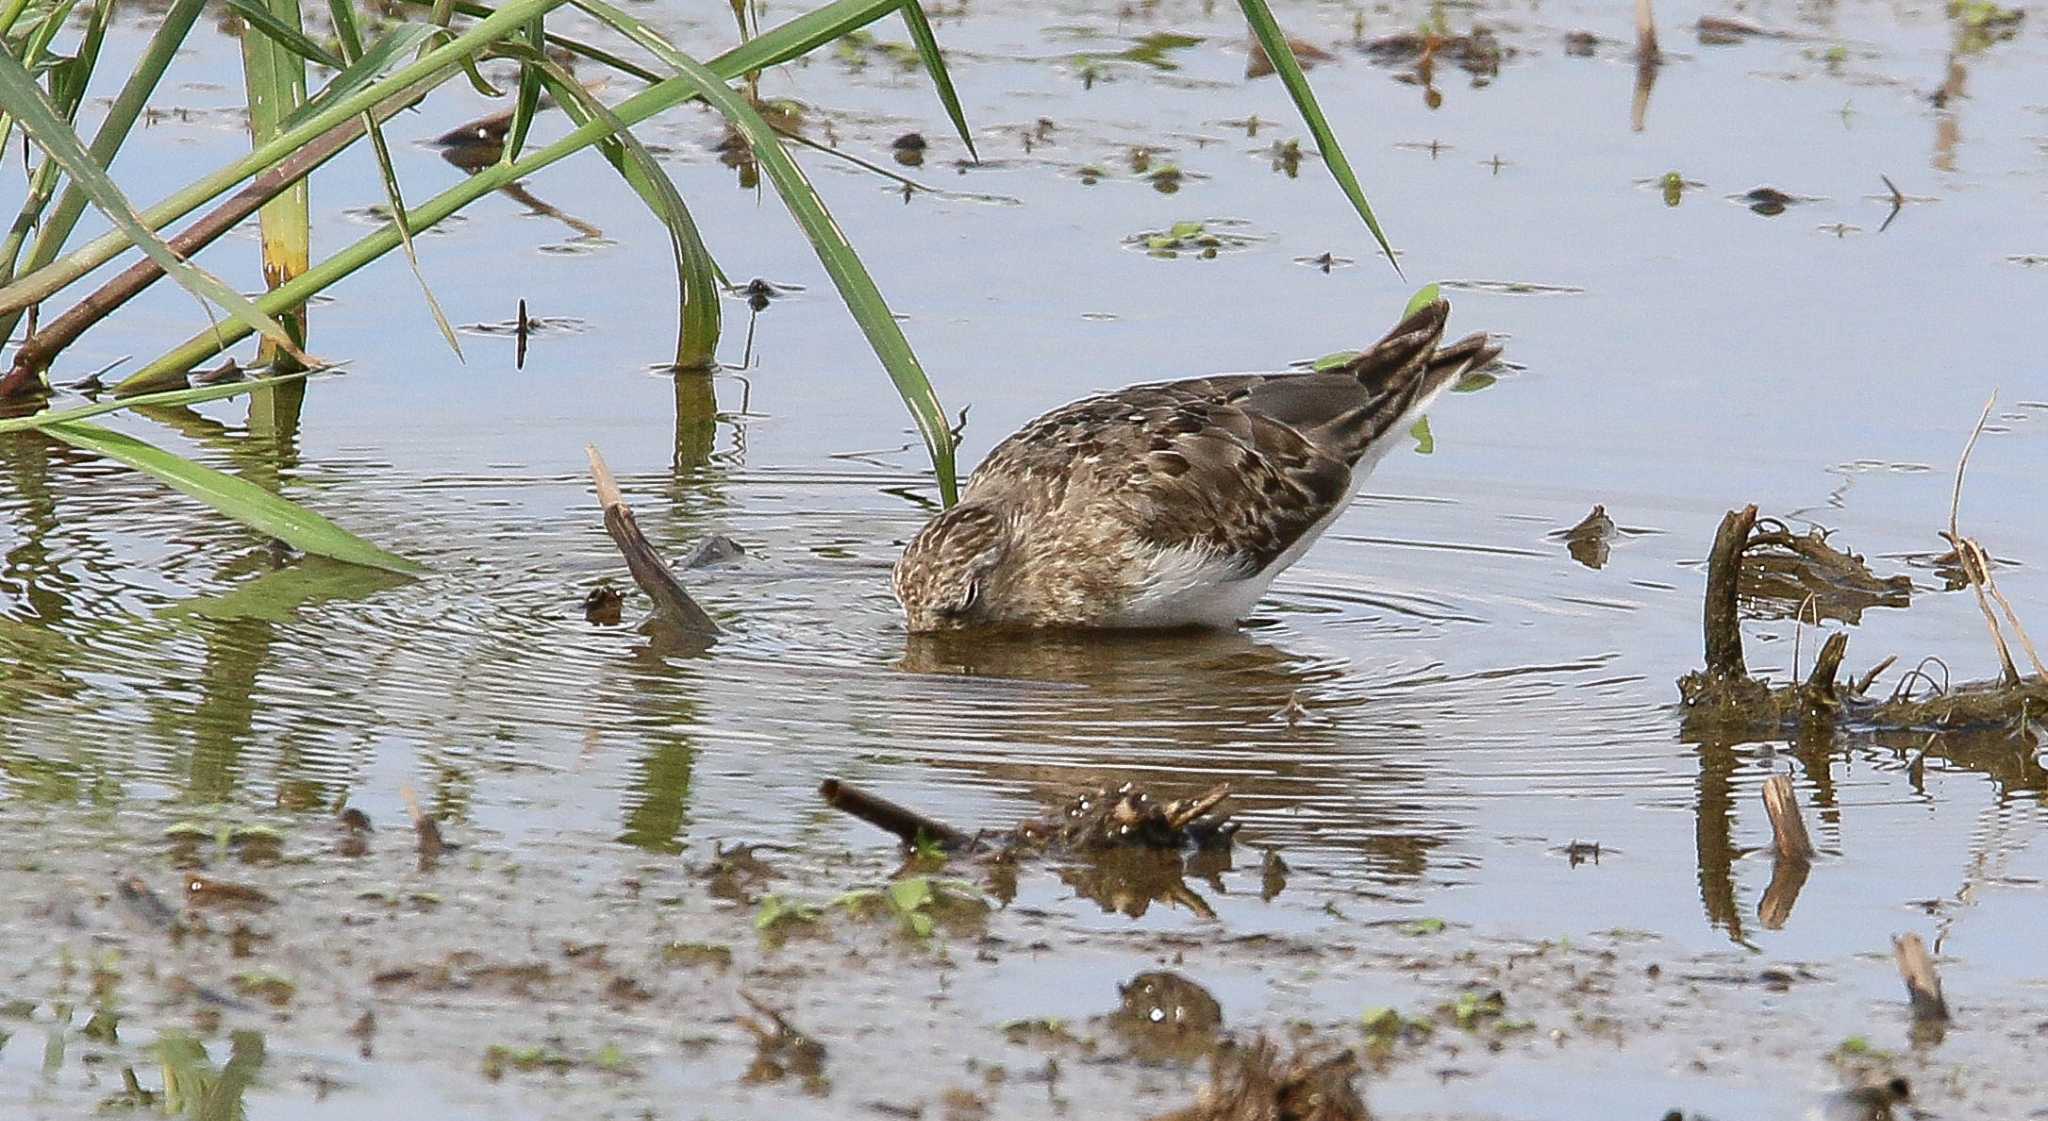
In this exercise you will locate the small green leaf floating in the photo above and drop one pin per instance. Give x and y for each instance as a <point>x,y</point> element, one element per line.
<point>1429,294</point>
<point>1425,443</point>
<point>239,499</point>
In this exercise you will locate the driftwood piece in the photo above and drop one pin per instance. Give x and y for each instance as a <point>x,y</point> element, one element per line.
<point>907,824</point>
<point>1923,985</point>
<point>673,608</point>
<point>1807,573</point>
<point>1723,694</point>
<point>1121,817</point>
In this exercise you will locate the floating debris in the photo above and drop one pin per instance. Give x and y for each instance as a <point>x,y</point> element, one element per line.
<point>716,550</point>
<point>1770,201</point>
<point>1165,1016</point>
<point>1202,239</point>
<point>1802,574</point>
<point>781,1050</point>
<point>1724,692</point>
<point>1721,31</point>
<point>604,605</point>
<point>1589,541</point>
<point>1478,52</point>
<point>1252,1083</point>
<point>1258,65</point>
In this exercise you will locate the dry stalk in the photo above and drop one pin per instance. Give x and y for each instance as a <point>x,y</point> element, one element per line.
<point>1976,566</point>
<point>1923,985</point>
<point>1646,34</point>
<point>1788,830</point>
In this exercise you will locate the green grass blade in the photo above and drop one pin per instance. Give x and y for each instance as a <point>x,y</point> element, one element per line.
<point>285,35</point>
<point>841,263</point>
<point>699,312</point>
<point>1425,296</point>
<point>528,104</point>
<point>275,79</point>
<point>848,274</point>
<point>173,398</point>
<point>429,69</point>
<point>68,82</point>
<point>20,94</point>
<point>239,499</point>
<point>1268,32</point>
<point>175,24</point>
<point>780,44</point>
<point>935,65</point>
<point>343,14</point>
<point>394,46</point>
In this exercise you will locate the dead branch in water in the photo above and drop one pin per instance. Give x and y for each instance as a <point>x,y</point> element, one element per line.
<point>1791,845</point>
<point>907,824</point>
<point>673,607</point>
<point>1789,839</point>
<point>1923,985</point>
<point>1723,692</point>
<point>1724,582</point>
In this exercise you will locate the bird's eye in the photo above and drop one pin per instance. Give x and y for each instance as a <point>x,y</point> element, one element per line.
<point>967,601</point>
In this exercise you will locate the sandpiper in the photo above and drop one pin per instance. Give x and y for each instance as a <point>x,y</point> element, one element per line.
<point>1172,504</point>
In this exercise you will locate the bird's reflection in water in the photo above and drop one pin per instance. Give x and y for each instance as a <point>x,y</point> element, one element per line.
<point>1176,713</point>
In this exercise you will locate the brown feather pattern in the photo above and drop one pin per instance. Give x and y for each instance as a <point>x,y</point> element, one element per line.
<point>1240,466</point>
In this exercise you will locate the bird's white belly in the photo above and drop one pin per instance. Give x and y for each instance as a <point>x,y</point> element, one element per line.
<point>1193,586</point>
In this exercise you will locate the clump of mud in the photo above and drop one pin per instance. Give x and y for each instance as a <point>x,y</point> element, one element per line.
<point>1253,1083</point>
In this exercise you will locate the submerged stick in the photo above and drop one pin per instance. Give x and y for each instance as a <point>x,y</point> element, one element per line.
<point>672,604</point>
<point>906,823</point>
<point>1788,829</point>
<point>1724,582</point>
<point>1923,985</point>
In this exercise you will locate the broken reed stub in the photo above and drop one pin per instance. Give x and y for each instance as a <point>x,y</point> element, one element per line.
<point>1923,985</point>
<point>1789,839</point>
<point>673,607</point>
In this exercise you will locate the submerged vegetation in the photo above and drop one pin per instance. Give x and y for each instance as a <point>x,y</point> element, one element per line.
<point>383,60</point>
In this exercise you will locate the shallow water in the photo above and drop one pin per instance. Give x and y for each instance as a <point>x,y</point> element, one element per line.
<point>1473,699</point>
